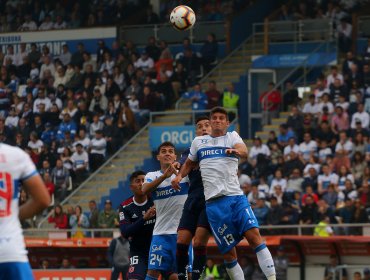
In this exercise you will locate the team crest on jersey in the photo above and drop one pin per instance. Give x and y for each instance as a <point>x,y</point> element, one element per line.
<point>121,216</point>
<point>131,269</point>
<point>215,141</point>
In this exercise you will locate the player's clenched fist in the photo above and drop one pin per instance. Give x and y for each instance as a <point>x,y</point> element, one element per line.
<point>150,213</point>
<point>232,152</point>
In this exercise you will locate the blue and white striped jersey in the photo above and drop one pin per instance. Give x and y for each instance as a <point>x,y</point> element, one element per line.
<point>219,170</point>
<point>168,203</point>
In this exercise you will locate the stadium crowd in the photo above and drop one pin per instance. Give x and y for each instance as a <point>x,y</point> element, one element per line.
<point>316,169</point>
<point>72,111</point>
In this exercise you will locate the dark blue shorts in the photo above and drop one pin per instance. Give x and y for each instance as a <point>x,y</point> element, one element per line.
<point>229,217</point>
<point>194,215</point>
<point>15,270</point>
<point>138,266</point>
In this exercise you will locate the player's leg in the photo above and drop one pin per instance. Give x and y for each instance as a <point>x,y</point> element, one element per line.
<point>233,268</point>
<point>202,234</point>
<point>184,238</point>
<point>244,216</point>
<point>227,236</point>
<point>152,274</point>
<point>138,267</point>
<point>185,233</point>
<point>264,257</point>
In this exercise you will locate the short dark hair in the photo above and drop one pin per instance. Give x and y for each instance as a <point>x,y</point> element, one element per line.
<point>136,174</point>
<point>201,118</point>
<point>165,144</point>
<point>220,110</point>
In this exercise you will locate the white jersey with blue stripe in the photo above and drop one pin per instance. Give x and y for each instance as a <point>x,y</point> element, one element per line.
<point>168,203</point>
<point>219,170</point>
<point>15,165</point>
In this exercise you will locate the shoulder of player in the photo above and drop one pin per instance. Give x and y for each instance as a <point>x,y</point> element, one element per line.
<point>15,152</point>
<point>127,202</point>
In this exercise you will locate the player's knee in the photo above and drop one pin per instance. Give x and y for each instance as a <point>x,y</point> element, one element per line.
<point>253,237</point>
<point>230,256</point>
<point>153,273</point>
<point>200,242</point>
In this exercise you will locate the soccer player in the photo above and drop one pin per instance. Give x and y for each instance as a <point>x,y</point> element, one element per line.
<point>16,166</point>
<point>137,218</point>
<point>193,222</point>
<point>169,204</point>
<point>229,213</point>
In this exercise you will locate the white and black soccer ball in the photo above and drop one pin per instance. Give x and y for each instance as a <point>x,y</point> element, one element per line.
<point>182,18</point>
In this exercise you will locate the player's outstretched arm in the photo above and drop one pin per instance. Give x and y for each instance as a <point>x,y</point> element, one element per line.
<point>184,171</point>
<point>39,197</point>
<point>240,150</point>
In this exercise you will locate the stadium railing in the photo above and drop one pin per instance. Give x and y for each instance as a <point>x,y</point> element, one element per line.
<point>312,30</point>
<point>299,230</point>
<point>363,26</point>
<point>139,34</point>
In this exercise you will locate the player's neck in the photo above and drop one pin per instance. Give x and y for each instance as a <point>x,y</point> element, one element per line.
<point>164,167</point>
<point>140,198</point>
<point>218,133</point>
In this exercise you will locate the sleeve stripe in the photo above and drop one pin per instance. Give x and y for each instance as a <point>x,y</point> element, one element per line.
<point>33,173</point>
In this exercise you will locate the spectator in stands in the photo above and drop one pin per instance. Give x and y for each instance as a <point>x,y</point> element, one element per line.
<point>230,101</point>
<point>59,23</point>
<point>209,52</point>
<point>346,215</point>
<point>112,135</point>
<point>152,49</point>
<point>344,35</point>
<point>28,25</point>
<point>325,133</point>
<point>213,95</point>
<point>99,102</point>
<point>192,64</point>
<point>281,262</point>
<point>290,96</point>
<point>197,97</point>
<point>66,264</point>
<point>126,121</point>
<point>261,211</point>
<point>322,229</point>
<point>66,125</point>
<point>295,122</point>
<point>145,62</point>
<point>348,62</point>
<point>107,219</point>
<point>79,223</point>
<point>60,176</point>
<point>59,218</point>
<point>309,215</point>
<point>93,214</point>
<point>332,272</point>
<point>270,102</point>
<point>334,75</point>
<point>284,135</point>
<point>340,120</point>
<point>361,116</point>
<point>80,160</point>
<point>97,150</point>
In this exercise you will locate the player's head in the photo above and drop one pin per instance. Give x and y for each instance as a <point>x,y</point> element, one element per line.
<point>219,120</point>
<point>166,153</point>
<point>202,126</point>
<point>136,181</point>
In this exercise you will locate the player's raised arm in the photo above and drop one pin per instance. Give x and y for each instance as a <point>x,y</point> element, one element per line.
<point>151,185</point>
<point>39,197</point>
<point>239,149</point>
<point>184,171</point>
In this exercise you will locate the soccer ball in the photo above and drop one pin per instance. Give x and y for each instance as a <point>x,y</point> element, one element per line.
<point>182,18</point>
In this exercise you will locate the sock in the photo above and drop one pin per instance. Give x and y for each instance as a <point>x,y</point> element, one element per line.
<point>182,260</point>
<point>234,270</point>
<point>265,261</point>
<point>148,277</point>
<point>199,262</point>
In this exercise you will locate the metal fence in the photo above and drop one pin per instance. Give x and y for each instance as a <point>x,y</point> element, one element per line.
<point>295,31</point>
<point>139,34</point>
<point>364,26</point>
